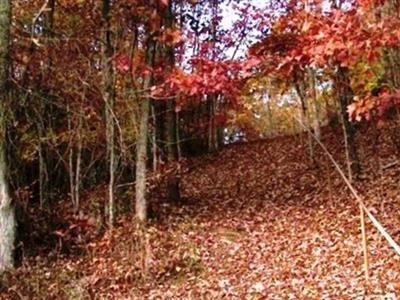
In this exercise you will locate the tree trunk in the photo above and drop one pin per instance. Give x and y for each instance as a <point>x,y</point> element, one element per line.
<point>212,130</point>
<point>173,179</point>
<point>154,145</point>
<point>43,119</point>
<point>271,125</point>
<point>172,143</point>
<point>7,215</point>
<point>108,97</point>
<point>345,94</point>
<point>305,116</point>
<point>78,159</point>
<point>316,106</point>
<point>141,148</point>
<point>42,163</point>
<point>71,158</point>
<point>177,135</point>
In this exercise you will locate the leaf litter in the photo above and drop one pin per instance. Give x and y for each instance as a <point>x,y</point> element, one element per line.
<point>259,222</point>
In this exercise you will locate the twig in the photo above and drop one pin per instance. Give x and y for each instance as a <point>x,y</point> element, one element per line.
<point>389,165</point>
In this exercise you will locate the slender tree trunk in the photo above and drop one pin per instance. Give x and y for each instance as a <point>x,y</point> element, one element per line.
<point>177,134</point>
<point>345,94</point>
<point>210,104</point>
<point>141,158</point>
<point>212,129</point>
<point>316,106</point>
<point>71,158</point>
<point>108,96</point>
<point>141,148</point>
<point>212,99</point>
<point>42,163</point>
<point>172,143</point>
<point>78,161</point>
<point>7,215</point>
<point>271,125</point>
<point>154,139</point>
<point>44,120</point>
<point>305,116</point>
<point>173,179</point>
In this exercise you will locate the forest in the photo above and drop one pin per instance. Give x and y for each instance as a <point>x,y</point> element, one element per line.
<point>199,149</point>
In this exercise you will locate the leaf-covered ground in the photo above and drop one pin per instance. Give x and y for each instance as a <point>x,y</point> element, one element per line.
<point>259,222</point>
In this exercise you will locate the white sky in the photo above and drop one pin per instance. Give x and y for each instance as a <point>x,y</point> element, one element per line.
<point>230,16</point>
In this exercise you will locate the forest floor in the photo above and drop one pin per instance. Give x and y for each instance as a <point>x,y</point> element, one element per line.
<point>259,222</point>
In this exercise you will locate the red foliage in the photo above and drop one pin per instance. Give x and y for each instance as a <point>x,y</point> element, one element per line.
<point>373,107</point>
<point>322,39</point>
<point>209,78</point>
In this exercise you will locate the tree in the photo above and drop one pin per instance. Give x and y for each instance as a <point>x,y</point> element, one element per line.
<point>7,215</point>
<point>141,148</point>
<point>108,97</point>
<point>346,95</point>
<point>171,119</point>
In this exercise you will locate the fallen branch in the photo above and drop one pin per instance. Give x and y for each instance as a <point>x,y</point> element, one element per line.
<point>374,221</point>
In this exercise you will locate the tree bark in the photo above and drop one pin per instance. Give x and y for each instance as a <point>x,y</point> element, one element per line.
<point>316,106</point>
<point>108,97</point>
<point>172,143</point>
<point>71,158</point>
<point>173,179</point>
<point>305,115</point>
<point>154,145</point>
<point>212,99</point>
<point>42,163</point>
<point>7,214</point>
<point>141,148</point>
<point>78,159</point>
<point>271,125</point>
<point>212,146</point>
<point>346,95</point>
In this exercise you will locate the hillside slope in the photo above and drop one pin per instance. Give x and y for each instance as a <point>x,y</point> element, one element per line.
<point>259,222</point>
